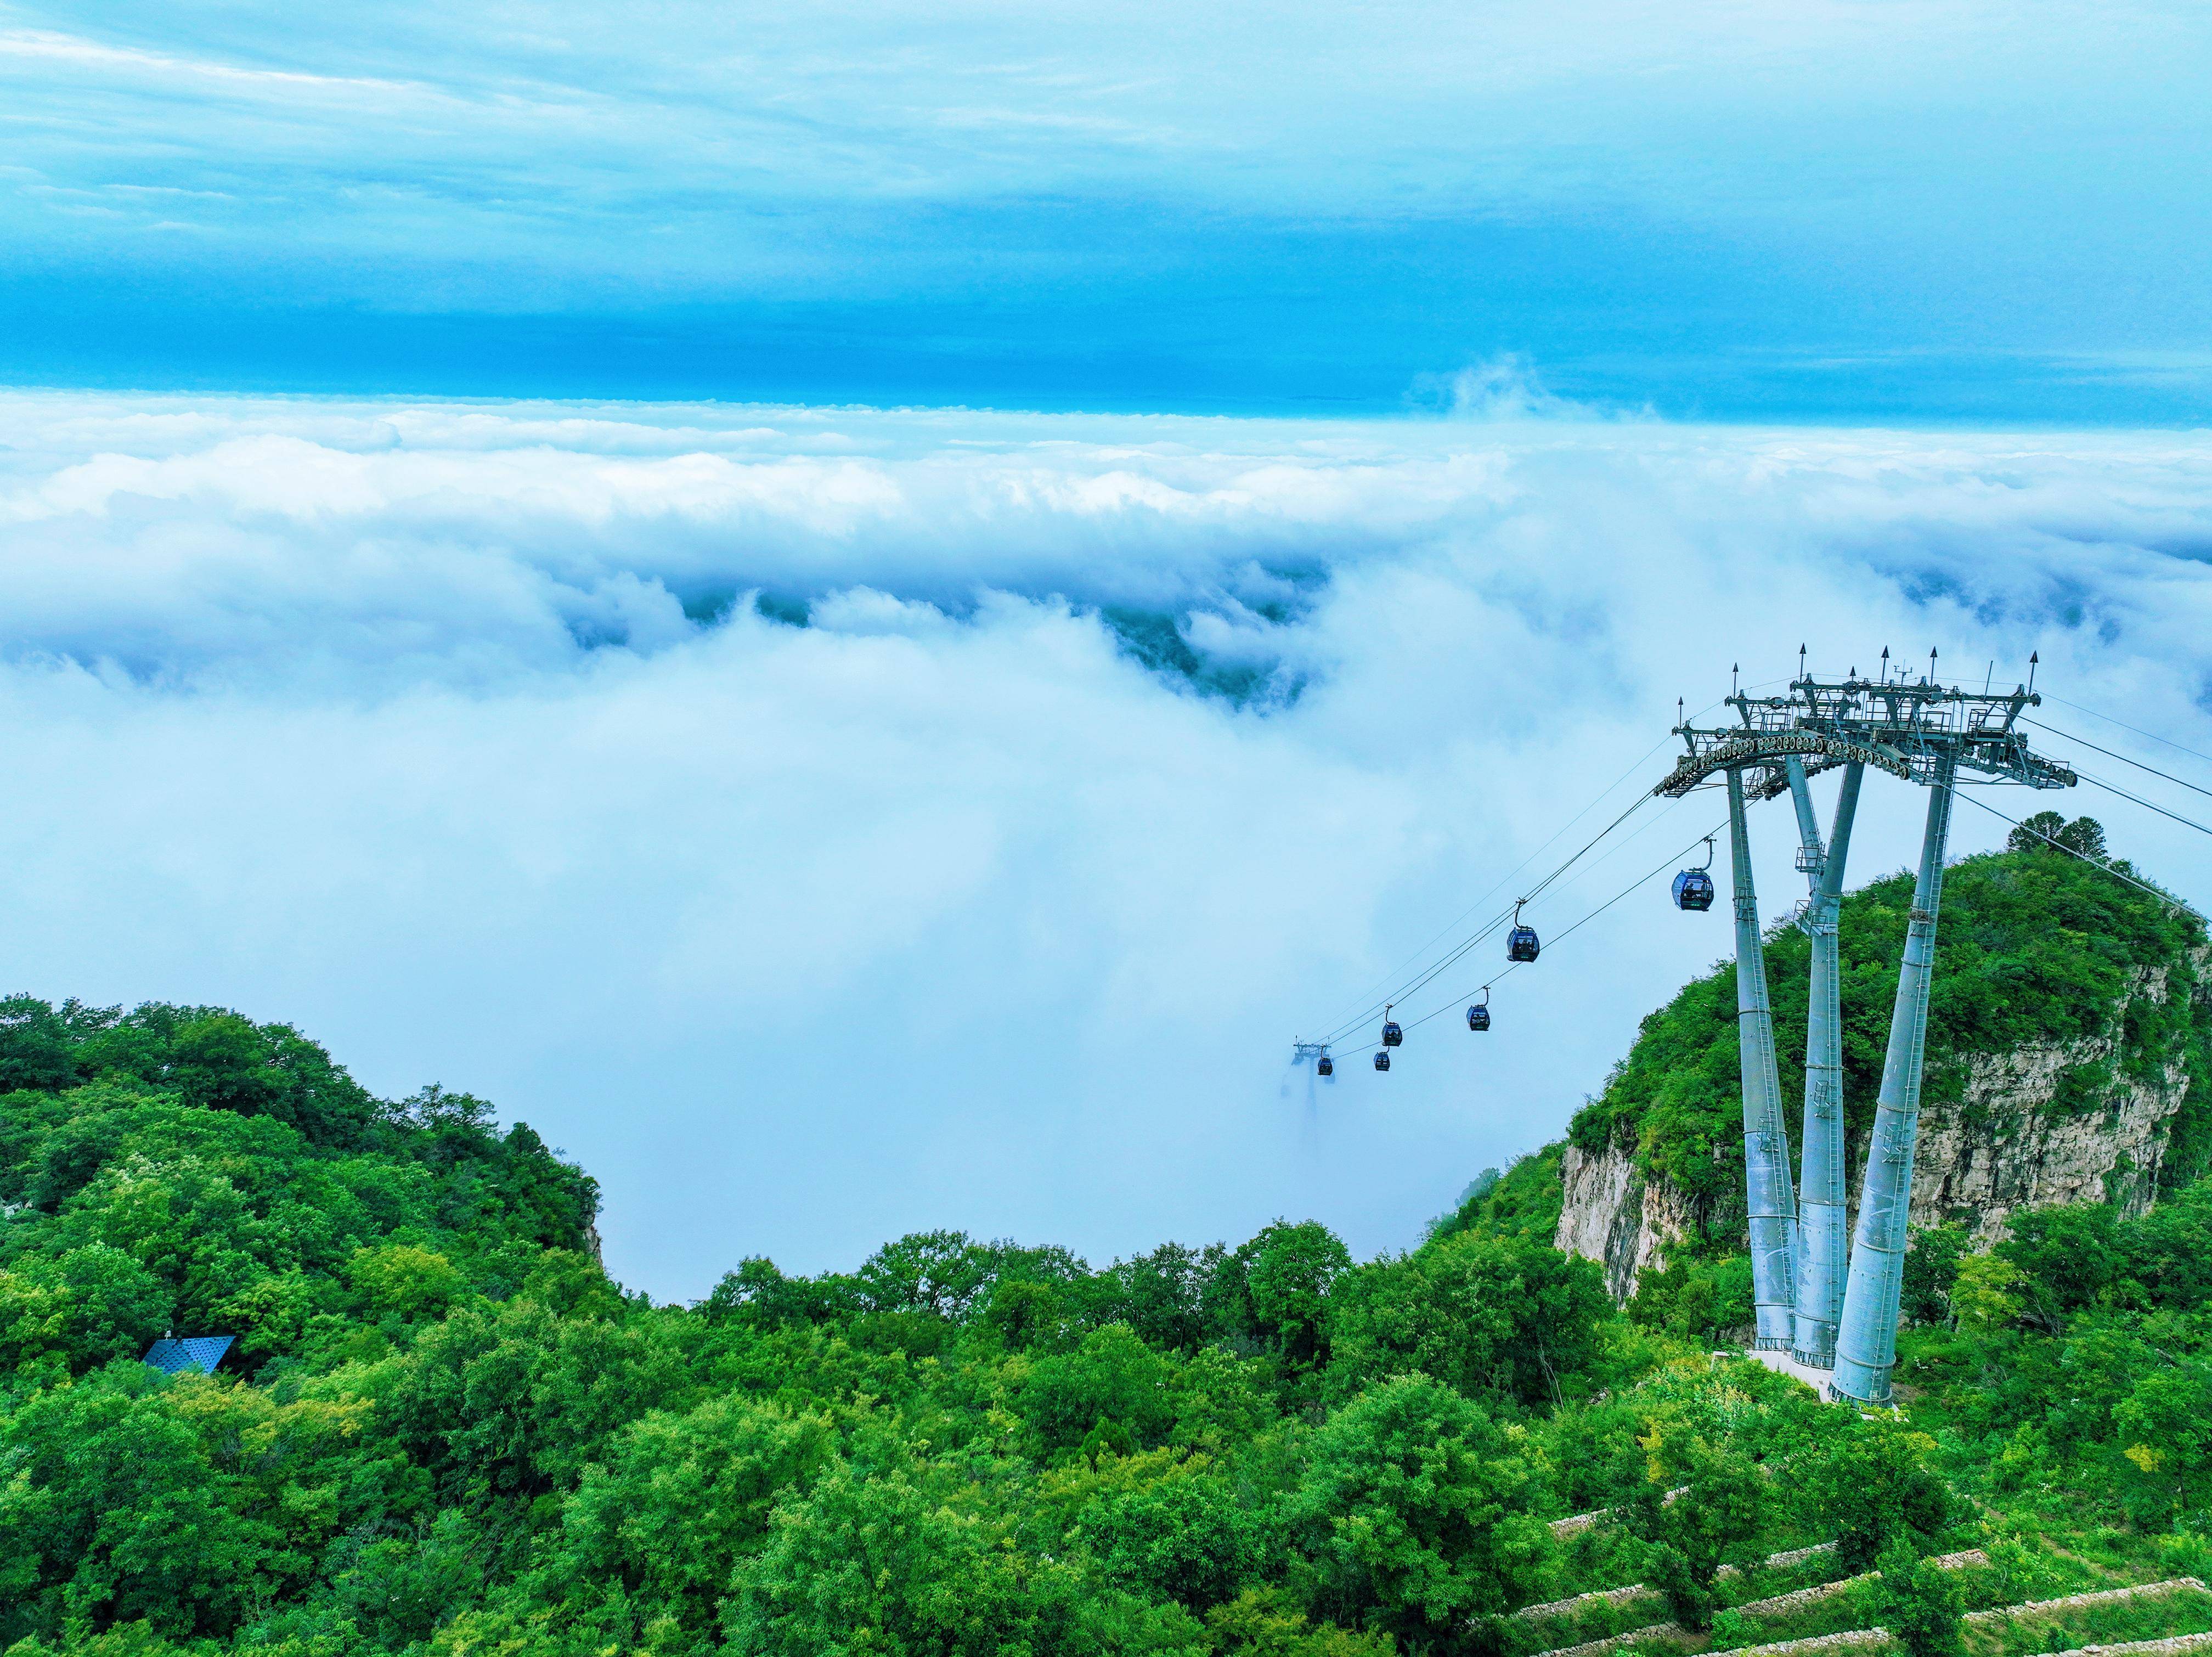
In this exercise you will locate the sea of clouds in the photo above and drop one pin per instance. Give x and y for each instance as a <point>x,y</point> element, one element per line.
<point>829,823</point>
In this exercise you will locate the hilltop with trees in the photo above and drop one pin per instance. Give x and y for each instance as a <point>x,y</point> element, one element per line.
<point>446,1431</point>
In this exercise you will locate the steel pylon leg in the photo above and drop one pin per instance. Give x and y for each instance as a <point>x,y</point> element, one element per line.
<point>1866,1343</point>
<point>1820,1296</point>
<point>1766,1139</point>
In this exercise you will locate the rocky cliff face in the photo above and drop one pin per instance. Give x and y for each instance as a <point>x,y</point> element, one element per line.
<point>2053,1124</point>
<point>1612,1215</point>
<point>2045,1124</point>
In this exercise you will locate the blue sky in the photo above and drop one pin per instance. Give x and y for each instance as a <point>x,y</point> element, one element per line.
<point>810,600</point>
<point>1937,211</point>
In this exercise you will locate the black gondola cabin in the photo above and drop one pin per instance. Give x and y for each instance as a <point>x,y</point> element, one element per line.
<point>1693,889</point>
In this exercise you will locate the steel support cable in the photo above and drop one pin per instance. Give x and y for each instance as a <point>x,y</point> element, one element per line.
<point>2110,754</point>
<point>2109,788</point>
<point>2143,886</point>
<point>1428,976</point>
<point>1377,1006</point>
<point>1635,806</point>
<point>1506,879</point>
<point>1621,847</point>
<point>1673,858</point>
<point>1640,880</point>
<point>2094,862</point>
<point>1617,851</point>
<point>2163,741</point>
<point>1489,929</point>
<point>1433,973</point>
<point>1515,966</point>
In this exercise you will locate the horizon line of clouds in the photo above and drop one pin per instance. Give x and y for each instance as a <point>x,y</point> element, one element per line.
<point>161,534</point>
<point>1110,754</point>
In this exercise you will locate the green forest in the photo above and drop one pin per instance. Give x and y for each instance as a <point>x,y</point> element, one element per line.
<point>444,1430</point>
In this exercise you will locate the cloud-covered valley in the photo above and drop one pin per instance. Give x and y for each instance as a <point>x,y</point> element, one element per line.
<point>827,823</point>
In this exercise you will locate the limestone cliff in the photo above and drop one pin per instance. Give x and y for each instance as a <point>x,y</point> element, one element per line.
<point>2016,1139</point>
<point>2058,1121</point>
<point>2092,1107</point>
<point>1613,1214</point>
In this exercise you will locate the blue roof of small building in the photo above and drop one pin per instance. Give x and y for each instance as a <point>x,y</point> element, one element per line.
<point>180,1352</point>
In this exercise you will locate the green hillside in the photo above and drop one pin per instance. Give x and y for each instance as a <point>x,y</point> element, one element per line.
<point>2034,947</point>
<point>446,1432</point>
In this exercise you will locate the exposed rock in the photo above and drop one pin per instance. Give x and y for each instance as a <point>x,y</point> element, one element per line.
<point>2017,1139</point>
<point>1611,1214</point>
<point>2045,1124</point>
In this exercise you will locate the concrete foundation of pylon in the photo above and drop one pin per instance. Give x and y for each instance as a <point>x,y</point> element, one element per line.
<point>1783,1364</point>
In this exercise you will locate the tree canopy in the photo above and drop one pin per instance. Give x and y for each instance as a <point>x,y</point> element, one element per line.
<point>444,1432</point>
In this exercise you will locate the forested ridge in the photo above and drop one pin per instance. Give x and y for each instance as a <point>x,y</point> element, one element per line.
<point>2037,949</point>
<point>444,1430</point>
<point>2033,947</point>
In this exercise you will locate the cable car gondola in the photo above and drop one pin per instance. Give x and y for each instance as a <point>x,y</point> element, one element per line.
<point>1382,1059</point>
<point>1478,1016</point>
<point>1392,1035</point>
<point>1520,944</point>
<point>1694,887</point>
<point>1326,1067</point>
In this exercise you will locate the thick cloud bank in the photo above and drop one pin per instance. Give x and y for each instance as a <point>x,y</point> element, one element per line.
<point>830,823</point>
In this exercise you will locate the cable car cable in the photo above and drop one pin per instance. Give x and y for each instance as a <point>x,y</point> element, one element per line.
<point>1523,945</point>
<point>2186,822</point>
<point>1506,879</point>
<point>1374,1005</point>
<point>1625,844</point>
<point>2123,725</point>
<point>2163,896</point>
<point>1642,880</point>
<point>1459,953</point>
<point>1461,949</point>
<point>2183,904</point>
<point>1642,800</point>
<point>2122,757</point>
<point>1429,975</point>
<point>1718,829</point>
<point>1469,943</point>
<point>1456,956</point>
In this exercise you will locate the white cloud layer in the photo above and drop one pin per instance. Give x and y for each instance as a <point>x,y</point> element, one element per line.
<point>486,744</point>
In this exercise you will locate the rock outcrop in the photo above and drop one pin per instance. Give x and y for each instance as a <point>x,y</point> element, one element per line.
<point>1611,1214</point>
<point>2041,1126</point>
<point>2050,1124</point>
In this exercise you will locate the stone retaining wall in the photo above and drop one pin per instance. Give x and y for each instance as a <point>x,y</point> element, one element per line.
<point>1582,1601</point>
<point>1849,1639</point>
<point>2102,1597</point>
<point>2172,1646</point>
<point>1669,1631</point>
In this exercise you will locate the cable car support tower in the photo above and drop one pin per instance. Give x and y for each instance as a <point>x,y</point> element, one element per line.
<point>1919,731</point>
